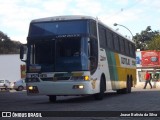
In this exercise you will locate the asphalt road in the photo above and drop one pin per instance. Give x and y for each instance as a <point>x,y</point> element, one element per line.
<point>139,100</point>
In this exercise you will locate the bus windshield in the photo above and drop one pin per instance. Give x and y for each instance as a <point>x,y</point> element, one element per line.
<point>58,28</point>
<point>61,54</point>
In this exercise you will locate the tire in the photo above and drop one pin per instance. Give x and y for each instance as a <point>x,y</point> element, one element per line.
<point>6,88</point>
<point>20,88</point>
<point>129,85</point>
<point>122,91</point>
<point>100,95</point>
<point>52,98</point>
<point>128,88</point>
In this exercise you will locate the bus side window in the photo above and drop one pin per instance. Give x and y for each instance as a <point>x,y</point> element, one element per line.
<point>93,29</point>
<point>133,50</point>
<point>102,37</point>
<point>109,39</point>
<point>126,47</point>
<point>116,42</point>
<point>130,49</point>
<point>122,48</point>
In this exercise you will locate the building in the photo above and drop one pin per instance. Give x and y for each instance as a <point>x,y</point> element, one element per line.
<point>148,61</point>
<point>10,67</point>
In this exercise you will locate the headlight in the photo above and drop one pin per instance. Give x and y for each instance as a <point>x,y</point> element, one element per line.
<point>78,86</point>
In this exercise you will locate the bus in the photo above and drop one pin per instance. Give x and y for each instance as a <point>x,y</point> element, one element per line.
<point>77,55</point>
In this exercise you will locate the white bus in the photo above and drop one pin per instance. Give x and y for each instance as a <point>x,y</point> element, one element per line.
<point>77,55</point>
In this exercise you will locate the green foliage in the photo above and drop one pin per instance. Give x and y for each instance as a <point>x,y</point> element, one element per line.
<point>7,46</point>
<point>143,39</point>
<point>154,44</point>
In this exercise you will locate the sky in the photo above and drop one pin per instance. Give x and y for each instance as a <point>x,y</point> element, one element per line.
<point>136,15</point>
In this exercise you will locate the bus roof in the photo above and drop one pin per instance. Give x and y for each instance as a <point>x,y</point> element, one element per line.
<point>59,18</point>
<point>76,17</point>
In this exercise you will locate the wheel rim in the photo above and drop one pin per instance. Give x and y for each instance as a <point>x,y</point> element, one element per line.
<point>20,88</point>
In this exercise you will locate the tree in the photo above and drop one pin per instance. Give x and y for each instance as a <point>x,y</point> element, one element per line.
<point>154,43</point>
<point>7,46</point>
<point>142,40</point>
<point>3,36</point>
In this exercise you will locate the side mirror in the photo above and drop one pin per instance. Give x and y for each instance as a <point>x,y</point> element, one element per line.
<point>21,52</point>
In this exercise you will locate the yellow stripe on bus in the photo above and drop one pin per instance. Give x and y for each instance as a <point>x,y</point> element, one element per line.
<point>122,73</point>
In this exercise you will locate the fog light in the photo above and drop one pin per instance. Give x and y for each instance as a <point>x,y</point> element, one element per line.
<point>81,86</point>
<point>78,86</point>
<point>33,89</point>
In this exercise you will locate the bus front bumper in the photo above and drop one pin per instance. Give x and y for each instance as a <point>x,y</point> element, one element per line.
<point>61,88</point>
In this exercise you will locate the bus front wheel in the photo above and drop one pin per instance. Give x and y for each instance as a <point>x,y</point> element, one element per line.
<point>52,98</point>
<point>100,95</point>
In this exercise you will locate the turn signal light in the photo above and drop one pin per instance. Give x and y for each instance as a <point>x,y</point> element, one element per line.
<point>86,77</point>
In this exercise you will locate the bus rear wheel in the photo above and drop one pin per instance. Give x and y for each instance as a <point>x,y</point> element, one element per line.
<point>52,98</point>
<point>129,85</point>
<point>128,88</point>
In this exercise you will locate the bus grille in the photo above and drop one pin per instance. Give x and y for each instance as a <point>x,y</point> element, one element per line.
<point>55,78</point>
<point>61,78</point>
<point>47,79</point>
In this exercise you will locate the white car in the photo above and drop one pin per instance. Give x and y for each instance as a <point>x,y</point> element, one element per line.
<point>20,85</point>
<point>4,84</point>
<point>11,85</point>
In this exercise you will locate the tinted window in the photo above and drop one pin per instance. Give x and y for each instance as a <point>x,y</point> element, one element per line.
<point>93,29</point>
<point>133,50</point>
<point>109,39</point>
<point>93,55</point>
<point>126,47</point>
<point>58,28</point>
<point>130,49</point>
<point>116,42</point>
<point>122,48</point>
<point>102,37</point>
<point>63,54</point>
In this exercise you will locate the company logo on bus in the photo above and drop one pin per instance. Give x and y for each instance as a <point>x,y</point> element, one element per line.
<point>68,35</point>
<point>125,61</point>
